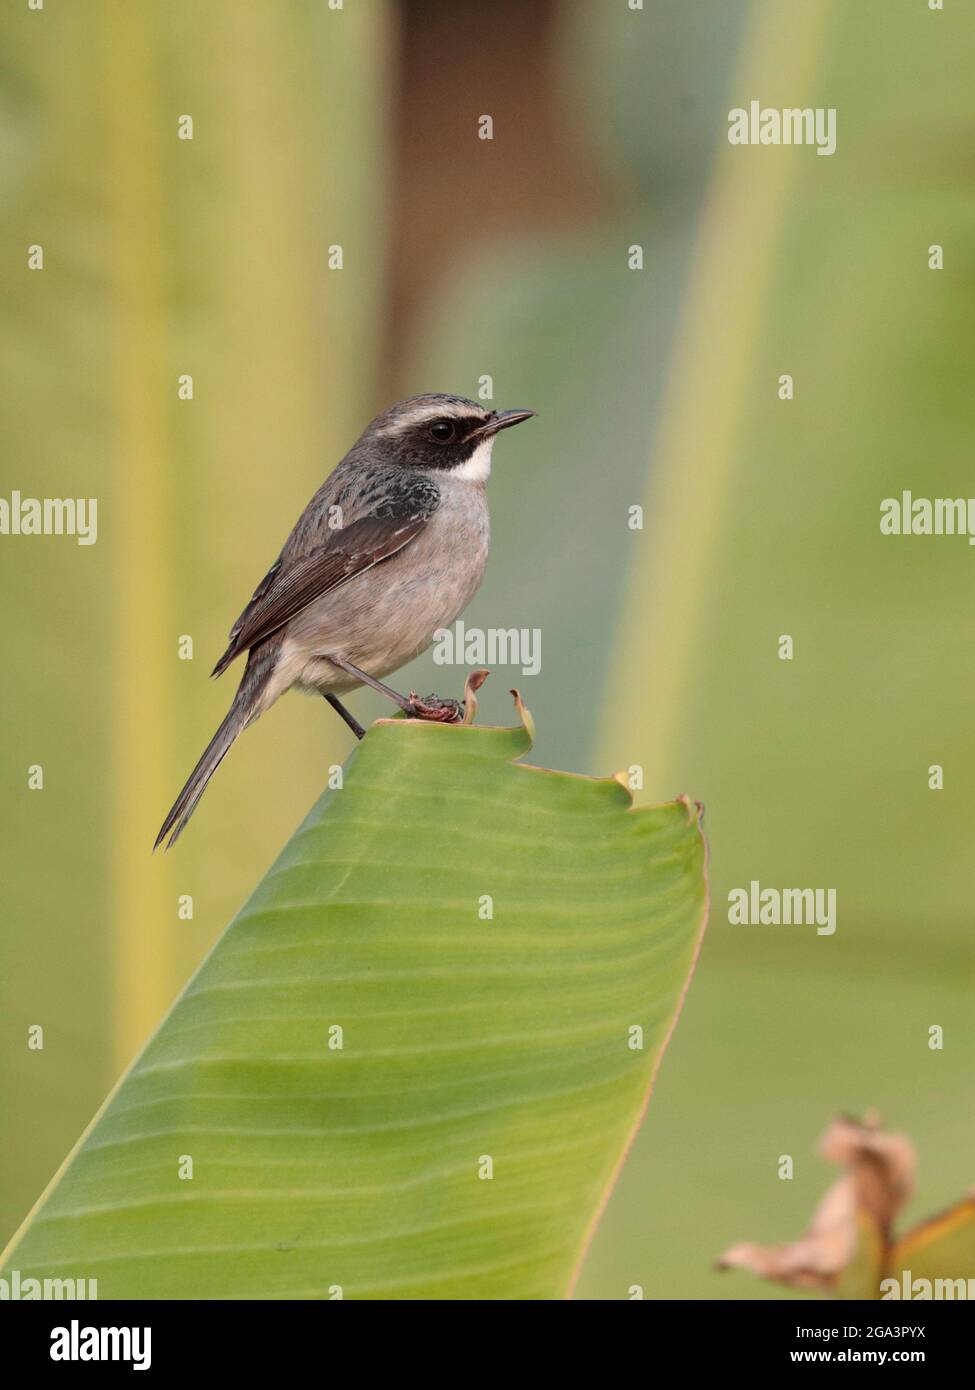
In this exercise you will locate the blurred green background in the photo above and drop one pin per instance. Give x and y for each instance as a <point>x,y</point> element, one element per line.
<point>356,127</point>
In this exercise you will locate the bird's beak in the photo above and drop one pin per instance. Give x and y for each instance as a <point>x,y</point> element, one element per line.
<point>502,420</point>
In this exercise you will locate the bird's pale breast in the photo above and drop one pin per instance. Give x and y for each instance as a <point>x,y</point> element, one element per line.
<point>386,616</point>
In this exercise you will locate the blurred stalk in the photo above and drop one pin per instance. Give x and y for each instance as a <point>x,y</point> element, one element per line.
<point>163,257</point>
<point>141,509</point>
<point>726,301</point>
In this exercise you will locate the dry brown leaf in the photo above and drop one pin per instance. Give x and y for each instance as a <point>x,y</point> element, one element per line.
<point>879,1178</point>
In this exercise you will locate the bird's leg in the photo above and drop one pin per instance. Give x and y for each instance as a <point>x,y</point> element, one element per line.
<point>371,681</point>
<point>350,719</point>
<point>432,708</point>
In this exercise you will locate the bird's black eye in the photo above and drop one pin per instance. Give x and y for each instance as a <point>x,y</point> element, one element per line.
<point>442,430</point>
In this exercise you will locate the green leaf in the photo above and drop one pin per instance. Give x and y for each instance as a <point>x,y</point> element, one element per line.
<point>940,1249</point>
<point>465,1038</point>
<point>860,1278</point>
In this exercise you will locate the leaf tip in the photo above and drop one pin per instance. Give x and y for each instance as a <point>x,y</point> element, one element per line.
<point>623,778</point>
<point>471,686</point>
<point>694,809</point>
<point>524,714</point>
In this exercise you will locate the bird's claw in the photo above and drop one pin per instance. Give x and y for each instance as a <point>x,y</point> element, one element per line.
<point>434,709</point>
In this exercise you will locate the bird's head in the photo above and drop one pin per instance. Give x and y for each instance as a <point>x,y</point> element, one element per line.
<point>449,434</point>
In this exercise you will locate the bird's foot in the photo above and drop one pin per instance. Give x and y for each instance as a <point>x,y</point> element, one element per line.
<point>434,709</point>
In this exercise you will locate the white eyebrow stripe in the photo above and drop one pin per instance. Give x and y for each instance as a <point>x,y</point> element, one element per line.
<point>430,411</point>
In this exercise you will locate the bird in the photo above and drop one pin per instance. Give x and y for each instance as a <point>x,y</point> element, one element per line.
<point>391,549</point>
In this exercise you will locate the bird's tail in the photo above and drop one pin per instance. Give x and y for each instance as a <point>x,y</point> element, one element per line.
<point>242,711</point>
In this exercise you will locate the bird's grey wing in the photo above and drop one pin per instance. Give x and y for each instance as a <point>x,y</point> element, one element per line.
<point>290,586</point>
<point>255,598</point>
